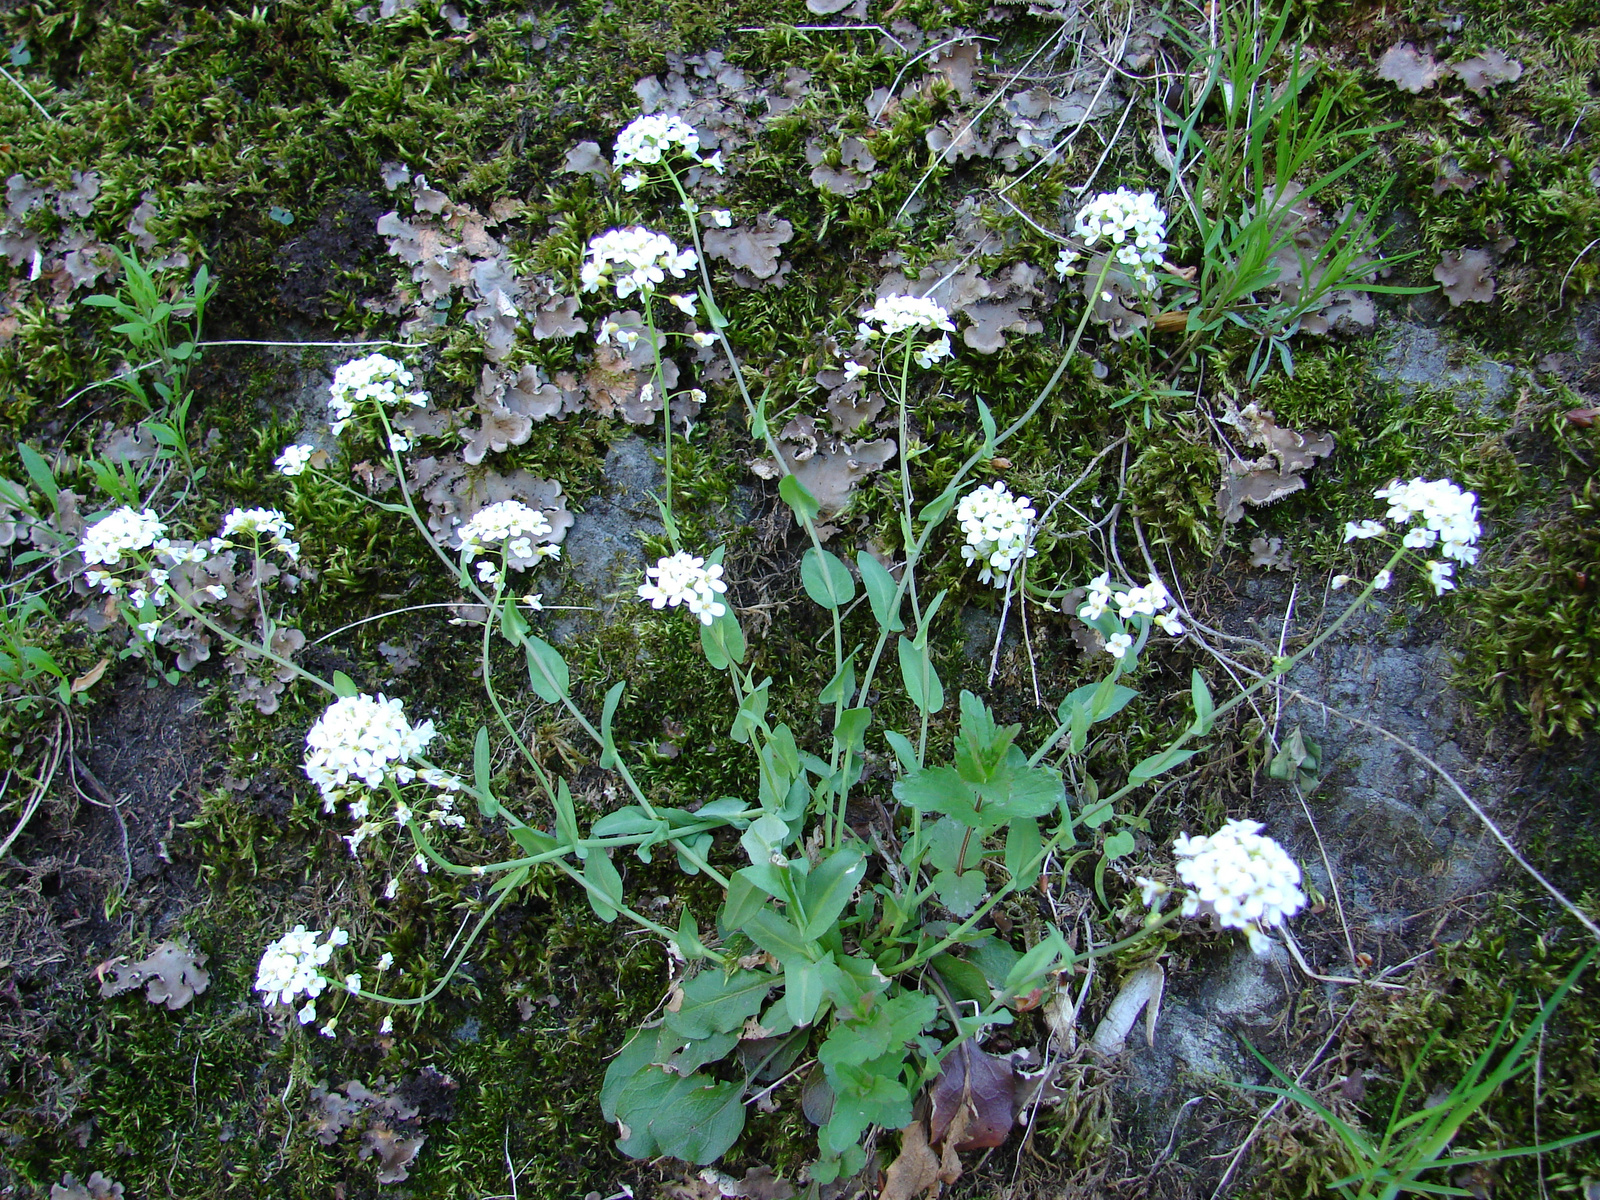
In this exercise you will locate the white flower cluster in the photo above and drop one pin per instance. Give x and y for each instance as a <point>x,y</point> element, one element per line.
<point>1148,601</point>
<point>377,378</point>
<point>652,137</point>
<point>1132,222</point>
<point>261,522</point>
<point>647,258</point>
<point>509,521</point>
<point>684,578</point>
<point>996,525</point>
<point>897,314</point>
<point>109,538</point>
<point>290,968</point>
<point>1247,880</point>
<point>1449,521</point>
<point>295,459</point>
<point>359,737</point>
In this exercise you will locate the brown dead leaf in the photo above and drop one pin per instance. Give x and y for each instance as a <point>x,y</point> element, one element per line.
<point>90,677</point>
<point>752,248</point>
<point>1409,69</point>
<point>97,1187</point>
<point>979,1085</point>
<point>394,1153</point>
<point>1583,418</point>
<point>1466,276</point>
<point>172,975</point>
<point>915,1170</point>
<point>1484,71</point>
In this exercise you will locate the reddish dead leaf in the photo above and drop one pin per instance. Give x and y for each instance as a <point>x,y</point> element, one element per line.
<point>1583,418</point>
<point>980,1085</point>
<point>90,677</point>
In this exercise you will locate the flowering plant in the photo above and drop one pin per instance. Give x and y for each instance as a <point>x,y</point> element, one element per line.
<point>1444,516</point>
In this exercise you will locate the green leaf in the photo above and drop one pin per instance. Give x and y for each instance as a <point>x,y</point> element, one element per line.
<point>1149,768</point>
<point>851,729</point>
<point>716,1003</point>
<point>741,903</point>
<point>794,494</point>
<point>343,686</point>
<point>605,885</point>
<point>488,806</point>
<point>986,419</point>
<point>962,893</point>
<point>904,751</point>
<point>881,589</point>
<point>731,635</point>
<point>513,625</point>
<point>1204,711</point>
<point>510,881</point>
<point>688,1116</point>
<point>1117,845</point>
<point>935,510</point>
<point>1116,699</point>
<point>965,981</point>
<point>1023,844</point>
<point>713,313</point>
<point>995,958</point>
<point>826,579</point>
<point>803,990</point>
<point>1028,970</point>
<point>921,680</point>
<point>683,1056</point>
<point>532,841</point>
<point>689,943</point>
<point>608,712</point>
<point>841,689</point>
<point>777,936</point>
<point>567,823</point>
<point>828,889</point>
<point>752,712</point>
<point>547,670</point>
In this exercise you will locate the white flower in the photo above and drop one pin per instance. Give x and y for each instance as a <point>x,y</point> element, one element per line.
<point>1118,644</point>
<point>1152,891</point>
<point>1337,582</point>
<point>295,459</point>
<point>399,444</point>
<point>386,1025</point>
<point>489,574</point>
<point>125,530</point>
<point>504,521</point>
<point>1439,573</point>
<point>217,592</point>
<point>358,737</point>
<point>1246,880</point>
<point>1448,514</point>
<point>149,629</point>
<point>308,1014</point>
<point>897,314</point>
<point>390,891</point>
<point>1170,623</point>
<point>268,521</point>
<point>289,965</point>
<point>700,338</point>
<point>534,600</point>
<point>684,304</point>
<point>853,370</point>
<point>632,181</point>
<point>422,863</point>
<point>1066,263</point>
<point>402,813</point>
<point>385,961</point>
<point>376,378</point>
<point>722,218</point>
<point>1132,223</point>
<point>933,352</point>
<point>1383,579</point>
<point>684,578</point>
<point>352,984</point>
<point>647,258</point>
<point>1099,598</point>
<point>1363,529</point>
<point>996,526</point>
<point>649,138</point>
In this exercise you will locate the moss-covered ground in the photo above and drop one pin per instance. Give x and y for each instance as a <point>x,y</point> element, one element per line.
<point>258,134</point>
